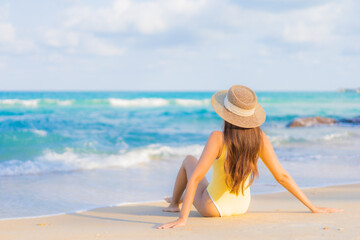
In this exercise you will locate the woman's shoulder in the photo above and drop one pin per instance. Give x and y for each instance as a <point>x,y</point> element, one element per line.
<point>218,139</point>
<point>217,136</point>
<point>265,144</point>
<point>264,138</point>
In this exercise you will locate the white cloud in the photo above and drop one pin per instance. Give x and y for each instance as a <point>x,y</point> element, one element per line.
<point>208,21</point>
<point>314,25</point>
<point>101,47</point>
<point>146,17</point>
<point>190,39</point>
<point>79,42</point>
<point>58,38</point>
<point>9,42</point>
<point>80,24</point>
<point>7,33</point>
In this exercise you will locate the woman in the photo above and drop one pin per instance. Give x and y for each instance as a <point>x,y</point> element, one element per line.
<point>233,154</point>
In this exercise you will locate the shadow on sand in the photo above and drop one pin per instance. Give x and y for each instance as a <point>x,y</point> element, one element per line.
<point>138,210</point>
<point>151,210</point>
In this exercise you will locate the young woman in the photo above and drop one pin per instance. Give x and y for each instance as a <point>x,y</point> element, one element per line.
<point>233,153</point>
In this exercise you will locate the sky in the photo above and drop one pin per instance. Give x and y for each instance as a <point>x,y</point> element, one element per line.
<point>179,45</point>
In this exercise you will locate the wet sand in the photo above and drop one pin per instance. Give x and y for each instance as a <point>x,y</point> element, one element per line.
<point>271,216</point>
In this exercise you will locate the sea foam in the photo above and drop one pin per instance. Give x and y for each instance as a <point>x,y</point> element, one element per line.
<point>59,102</point>
<point>115,102</point>
<point>138,102</point>
<point>26,103</point>
<point>69,160</point>
<point>41,133</point>
<point>192,102</point>
<point>35,102</point>
<point>157,102</point>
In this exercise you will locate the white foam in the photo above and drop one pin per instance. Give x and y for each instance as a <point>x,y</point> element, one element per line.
<point>60,102</point>
<point>157,102</point>
<point>138,102</point>
<point>26,103</point>
<point>69,160</point>
<point>41,133</point>
<point>332,136</point>
<point>116,102</point>
<point>192,102</point>
<point>310,136</point>
<point>278,140</point>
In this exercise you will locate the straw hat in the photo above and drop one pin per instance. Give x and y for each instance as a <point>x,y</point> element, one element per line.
<point>239,107</point>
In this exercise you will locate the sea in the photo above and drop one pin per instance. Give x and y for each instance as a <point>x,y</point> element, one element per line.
<point>63,152</point>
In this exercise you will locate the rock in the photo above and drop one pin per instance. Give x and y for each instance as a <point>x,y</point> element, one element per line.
<point>355,120</point>
<point>311,121</point>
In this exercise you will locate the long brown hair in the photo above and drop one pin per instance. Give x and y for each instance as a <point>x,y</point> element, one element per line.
<point>243,146</point>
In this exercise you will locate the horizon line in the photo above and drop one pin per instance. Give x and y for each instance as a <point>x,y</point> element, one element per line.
<point>182,90</point>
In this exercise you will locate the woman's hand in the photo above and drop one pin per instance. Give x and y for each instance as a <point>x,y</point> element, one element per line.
<point>178,223</point>
<point>326,210</point>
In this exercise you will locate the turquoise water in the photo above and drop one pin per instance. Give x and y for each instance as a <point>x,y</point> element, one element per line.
<point>65,151</point>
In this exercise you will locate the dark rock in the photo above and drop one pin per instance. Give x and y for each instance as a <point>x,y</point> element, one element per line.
<point>312,121</point>
<point>355,120</point>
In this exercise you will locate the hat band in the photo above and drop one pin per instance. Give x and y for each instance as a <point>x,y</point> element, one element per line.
<point>236,110</point>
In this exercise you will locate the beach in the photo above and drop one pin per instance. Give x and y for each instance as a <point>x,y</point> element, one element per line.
<point>66,155</point>
<point>68,151</point>
<point>102,102</point>
<point>271,216</point>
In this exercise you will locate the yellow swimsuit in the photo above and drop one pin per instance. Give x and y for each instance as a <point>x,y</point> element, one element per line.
<point>226,203</point>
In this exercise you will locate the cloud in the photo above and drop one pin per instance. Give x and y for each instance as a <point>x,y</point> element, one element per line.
<point>9,42</point>
<point>145,17</point>
<point>79,43</point>
<point>314,25</point>
<point>82,26</point>
<point>58,38</point>
<point>143,40</point>
<point>7,33</point>
<point>127,24</point>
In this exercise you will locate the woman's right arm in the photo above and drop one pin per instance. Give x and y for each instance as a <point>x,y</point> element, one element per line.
<point>268,156</point>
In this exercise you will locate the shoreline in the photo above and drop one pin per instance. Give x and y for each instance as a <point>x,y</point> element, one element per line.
<point>161,200</point>
<point>271,216</point>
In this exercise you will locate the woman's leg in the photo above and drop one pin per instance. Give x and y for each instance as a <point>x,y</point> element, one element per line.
<point>179,187</point>
<point>202,200</point>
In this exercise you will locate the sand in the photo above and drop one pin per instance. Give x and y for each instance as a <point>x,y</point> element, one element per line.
<point>271,216</point>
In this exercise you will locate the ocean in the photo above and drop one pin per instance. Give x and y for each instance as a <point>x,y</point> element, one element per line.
<point>69,151</point>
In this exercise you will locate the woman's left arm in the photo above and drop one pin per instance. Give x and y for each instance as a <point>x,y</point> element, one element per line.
<point>208,156</point>
<point>269,158</point>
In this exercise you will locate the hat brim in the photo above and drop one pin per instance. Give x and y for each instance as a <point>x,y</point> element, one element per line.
<point>255,120</point>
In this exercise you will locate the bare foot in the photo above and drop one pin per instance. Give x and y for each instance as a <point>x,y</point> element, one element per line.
<point>169,199</point>
<point>172,208</point>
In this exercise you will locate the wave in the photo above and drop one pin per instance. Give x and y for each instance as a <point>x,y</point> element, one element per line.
<point>157,102</point>
<point>139,102</point>
<point>41,133</point>
<point>26,103</point>
<point>51,161</point>
<point>192,102</point>
<point>333,136</point>
<point>313,137</point>
<point>59,102</point>
<point>35,102</point>
<point>114,102</point>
